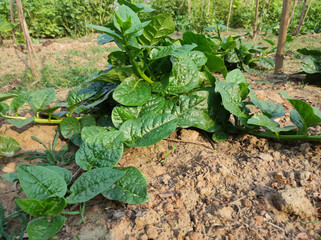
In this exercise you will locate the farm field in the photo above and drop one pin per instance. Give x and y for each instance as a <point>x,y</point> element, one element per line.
<point>125,120</point>
<point>244,188</point>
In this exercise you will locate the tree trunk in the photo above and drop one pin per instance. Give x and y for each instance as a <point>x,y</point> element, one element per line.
<point>256,16</point>
<point>189,8</point>
<point>301,18</point>
<point>208,7</point>
<point>269,5</point>
<point>24,27</point>
<point>282,36</point>
<point>12,21</point>
<point>182,4</point>
<point>262,10</point>
<point>306,13</point>
<point>229,14</point>
<point>293,10</point>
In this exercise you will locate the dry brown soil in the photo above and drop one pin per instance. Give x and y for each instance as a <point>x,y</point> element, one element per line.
<point>244,188</point>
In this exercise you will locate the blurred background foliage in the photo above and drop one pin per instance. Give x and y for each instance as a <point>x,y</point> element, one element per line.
<point>60,18</point>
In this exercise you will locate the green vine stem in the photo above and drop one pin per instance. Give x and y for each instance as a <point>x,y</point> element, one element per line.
<point>37,120</point>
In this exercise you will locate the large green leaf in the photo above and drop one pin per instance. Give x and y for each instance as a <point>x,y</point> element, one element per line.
<point>216,64</point>
<point>40,182</point>
<point>42,229</point>
<point>41,98</point>
<point>113,75</point>
<point>125,19</point>
<point>148,129</point>
<point>269,109</point>
<point>236,76</point>
<point>76,96</point>
<point>231,97</point>
<point>131,188</point>
<point>33,207</point>
<point>197,57</point>
<point>310,66</point>
<point>184,76</point>
<point>160,26</point>
<point>5,26</point>
<point>264,121</point>
<point>204,44</point>
<point>106,30</point>
<point>132,92</point>
<point>65,173</point>
<point>92,183</point>
<point>121,114</point>
<point>18,101</point>
<point>8,146</point>
<point>172,50</point>
<point>154,105</point>
<point>19,123</point>
<point>103,150</point>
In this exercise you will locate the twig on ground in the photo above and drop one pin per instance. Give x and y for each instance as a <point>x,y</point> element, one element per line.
<point>276,226</point>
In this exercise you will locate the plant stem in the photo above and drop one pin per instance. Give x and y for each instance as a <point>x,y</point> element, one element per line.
<point>281,137</point>
<point>37,120</point>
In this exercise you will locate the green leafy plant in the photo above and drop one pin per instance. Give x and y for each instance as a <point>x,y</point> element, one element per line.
<point>312,65</point>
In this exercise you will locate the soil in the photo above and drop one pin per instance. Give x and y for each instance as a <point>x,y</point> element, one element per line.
<point>244,188</point>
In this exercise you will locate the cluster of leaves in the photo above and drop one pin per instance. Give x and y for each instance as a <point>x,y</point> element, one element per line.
<point>312,65</point>
<point>153,85</point>
<point>237,54</point>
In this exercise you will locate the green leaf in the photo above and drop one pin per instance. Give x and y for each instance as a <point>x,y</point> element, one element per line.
<point>125,19</point>
<point>132,92</point>
<point>204,44</point>
<point>5,26</point>
<point>131,188</point>
<point>121,114</point>
<point>114,75</point>
<point>264,121</point>
<point>40,182</point>
<point>41,98</point>
<point>310,66</point>
<point>269,109</point>
<point>90,132</point>
<point>216,64</point>
<point>106,30</point>
<point>19,123</point>
<point>231,97</point>
<point>33,207</point>
<point>267,63</point>
<point>220,134</point>
<point>10,177</point>
<point>309,116</point>
<point>4,108</point>
<point>197,57</point>
<point>154,104</point>
<point>54,205</point>
<point>172,50</point>
<point>92,183</point>
<point>65,173</point>
<point>104,38</point>
<point>236,76</point>
<point>103,150</point>
<point>6,96</point>
<point>148,129</point>
<point>184,76</point>
<point>42,229</point>
<point>118,58</point>
<point>160,26</point>
<point>76,96</point>
<point>18,101</point>
<point>8,146</point>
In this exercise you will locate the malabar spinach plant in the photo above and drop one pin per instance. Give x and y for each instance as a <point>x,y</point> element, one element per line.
<point>153,85</point>
<point>312,65</point>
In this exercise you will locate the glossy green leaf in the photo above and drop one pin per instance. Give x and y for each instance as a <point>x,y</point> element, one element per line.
<point>269,109</point>
<point>5,96</point>
<point>54,205</point>
<point>4,108</point>
<point>114,75</point>
<point>106,30</point>
<point>172,50</point>
<point>220,134</point>
<point>197,57</point>
<point>121,114</point>
<point>18,101</point>
<point>154,104</point>
<point>131,188</point>
<point>148,129</point>
<point>267,63</point>
<point>90,132</point>
<point>264,121</point>
<point>184,76</point>
<point>33,207</point>
<point>236,76</point>
<point>132,92</point>
<point>10,177</point>
<point>310,66</point>
<point>76,96</point>
<point>216,64</point>
<point>40,182</point>
<point>41,98</point>
<point>160,26</point>
<point>103,150</point>
<point>104,38</point>
<point>65,173</point>
<point>19,123</point>
<point>204,44</point>
<point>231,97</point>
<point>42,229</point>
<point>8,146</point>
<point>118,58</point>
<point>92,183</point>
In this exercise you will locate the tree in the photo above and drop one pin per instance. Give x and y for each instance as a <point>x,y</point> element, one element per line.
<point>305,15</point>
<point>293,10</point>
<point>229,14</point>
<point>282,36</point>
<point>255,28</point>
<point>301,18</point>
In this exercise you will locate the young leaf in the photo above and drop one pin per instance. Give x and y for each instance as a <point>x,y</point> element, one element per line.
<point>54,205</point>
<point>148,129</point>
<point>204,44</point>
<point>19,123</point>
<point>160,26</point>
<point>93,182</point>
<point>10,177</point>
<point>184,76</point>
<point>102,150</point>
<point>231,97</point>
<point>125,18</point>
<point>216,64</point>
<point>41,98</point>
<point>132,92</point>
<point>42,229</point>
<point>40,182</point>
<point>18,101</point>
<point>4,108</point>
<point>33,207</point>
<point>131,188</point>
<point>264,121</point>
<point>6,96</point>
<point>106,30</point>
<point>8,146</point>
<point>66,174</point>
